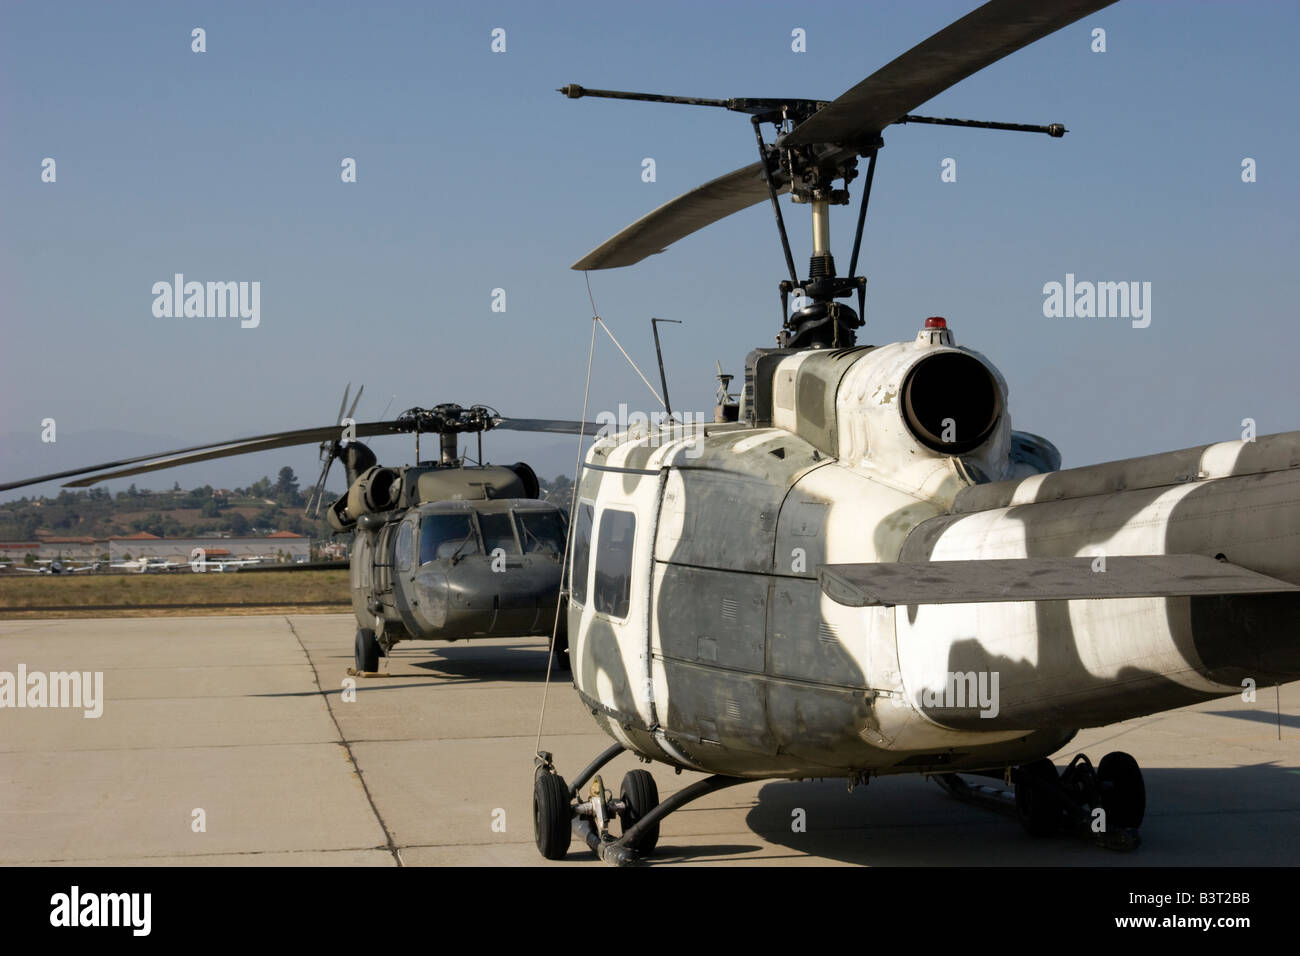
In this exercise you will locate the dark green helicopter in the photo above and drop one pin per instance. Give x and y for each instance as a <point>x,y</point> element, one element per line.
<point>444,550</point>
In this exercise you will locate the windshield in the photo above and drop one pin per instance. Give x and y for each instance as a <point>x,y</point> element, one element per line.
<point>542,532</point>
<point>498,532</point>
<point>445,536</point>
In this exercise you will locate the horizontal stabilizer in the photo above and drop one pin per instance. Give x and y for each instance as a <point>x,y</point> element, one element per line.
<point>1040,579</point>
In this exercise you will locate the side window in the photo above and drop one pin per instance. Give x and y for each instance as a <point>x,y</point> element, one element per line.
<point>446,536</point>
<point>614,562</point>
<point>581,554</point>
<point>403,546</point>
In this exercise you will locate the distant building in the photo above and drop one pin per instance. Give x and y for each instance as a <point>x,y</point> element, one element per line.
<point>53,546</point>
<point>15,552</point>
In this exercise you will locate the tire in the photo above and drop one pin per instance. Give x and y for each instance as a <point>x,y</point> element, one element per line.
<point>365,655</point>
<point>1123,792</point>
<point>640,794</point>
<point>1039,814</point>
<point>551,815</point>
<point>560,651</point>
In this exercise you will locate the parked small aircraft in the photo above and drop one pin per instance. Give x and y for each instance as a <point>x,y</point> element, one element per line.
<point>56,566</point>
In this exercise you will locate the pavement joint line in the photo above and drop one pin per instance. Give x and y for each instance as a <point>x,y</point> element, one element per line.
<point>182,856</point>
<point>347,746</point>
<point>164,750</point>
<point>1145,725</point>
<point>195,698</point>
<point>399,740</point>
<point>194,667</point>
<point>283,743</point>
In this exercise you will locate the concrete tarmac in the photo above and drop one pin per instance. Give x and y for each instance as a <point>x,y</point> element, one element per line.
<point>230,741</point>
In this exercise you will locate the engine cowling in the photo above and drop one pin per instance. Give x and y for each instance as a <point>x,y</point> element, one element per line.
<point>376,489</point>
<point>892,406</point>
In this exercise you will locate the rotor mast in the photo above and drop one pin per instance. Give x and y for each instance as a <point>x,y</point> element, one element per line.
<point>821,228</point>
<point>819,142</point>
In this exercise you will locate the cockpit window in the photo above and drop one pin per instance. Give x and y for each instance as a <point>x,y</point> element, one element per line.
<point>498,532</point>
<point>542,532</point>
<point>446,536</point>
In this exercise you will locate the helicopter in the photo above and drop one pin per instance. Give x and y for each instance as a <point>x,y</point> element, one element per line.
<point>861,569</point>
<point>444,550</point>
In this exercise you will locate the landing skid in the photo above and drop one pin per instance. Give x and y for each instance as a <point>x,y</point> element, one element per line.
<point>561,811</point>
<point>1103,805</point>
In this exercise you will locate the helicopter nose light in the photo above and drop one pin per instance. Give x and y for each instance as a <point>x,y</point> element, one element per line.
<point>936,322</point>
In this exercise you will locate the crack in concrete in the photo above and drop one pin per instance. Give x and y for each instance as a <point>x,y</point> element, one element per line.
<point>391,846</point>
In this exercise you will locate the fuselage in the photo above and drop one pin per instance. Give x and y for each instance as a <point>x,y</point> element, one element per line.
<point>700,635</point>
<point>457,569</point>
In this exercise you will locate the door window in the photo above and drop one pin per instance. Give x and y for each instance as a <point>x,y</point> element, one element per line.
<point>581,554</point>
<point>614,562</point>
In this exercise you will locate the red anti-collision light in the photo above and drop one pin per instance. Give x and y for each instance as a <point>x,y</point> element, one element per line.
<point>936,322</point>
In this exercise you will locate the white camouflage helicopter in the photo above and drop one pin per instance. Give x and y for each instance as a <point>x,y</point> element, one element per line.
<point>866,570</point>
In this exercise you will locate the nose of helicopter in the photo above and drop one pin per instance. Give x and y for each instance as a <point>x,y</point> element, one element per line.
<point>475,597</point>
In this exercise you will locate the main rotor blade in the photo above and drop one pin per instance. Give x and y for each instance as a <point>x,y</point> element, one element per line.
<point>183,456</point>
<point>319,488</point>
<point>552,425</point>
<point>353,410</point>
<point>678,218</point>
<point>344,404</point>
<point>960,49</point>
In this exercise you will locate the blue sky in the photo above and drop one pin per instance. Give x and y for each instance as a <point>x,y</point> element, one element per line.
<point>473,174</point>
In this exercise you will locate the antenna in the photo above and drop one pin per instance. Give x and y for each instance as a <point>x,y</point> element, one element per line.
<point>663,380</point>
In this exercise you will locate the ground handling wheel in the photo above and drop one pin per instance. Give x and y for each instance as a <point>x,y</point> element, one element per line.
<point>1039,812</point>
<point>1123,794</point>
<point>551,815</point>
<point>366,653</point>
<point>560,649</point>
<point>639,795</point>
